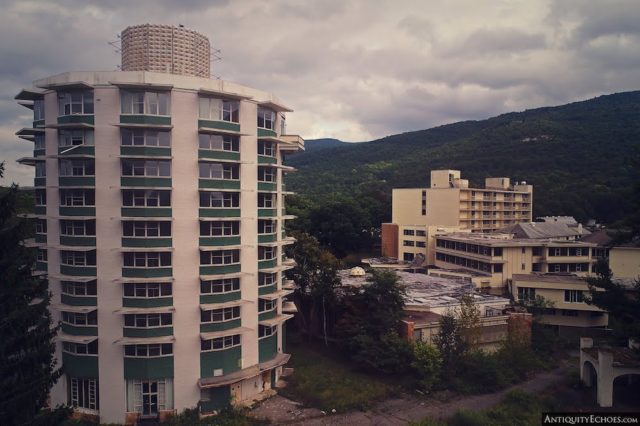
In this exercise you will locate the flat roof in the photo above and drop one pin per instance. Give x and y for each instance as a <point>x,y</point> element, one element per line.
<point>549,278</point>
<point>502,239</point>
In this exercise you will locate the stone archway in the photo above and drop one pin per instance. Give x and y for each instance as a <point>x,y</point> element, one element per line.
<point>589,374</point>
<point>626,389</point>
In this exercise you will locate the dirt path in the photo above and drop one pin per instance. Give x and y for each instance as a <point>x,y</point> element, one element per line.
<point>399,411</point>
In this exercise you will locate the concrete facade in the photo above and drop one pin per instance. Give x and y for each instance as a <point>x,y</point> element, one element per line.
<point>166,302</point>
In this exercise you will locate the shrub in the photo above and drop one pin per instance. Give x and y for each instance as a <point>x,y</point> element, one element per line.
<point>428,365</point>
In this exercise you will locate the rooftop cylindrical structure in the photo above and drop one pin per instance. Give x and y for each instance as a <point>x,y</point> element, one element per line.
<point>166,49</point>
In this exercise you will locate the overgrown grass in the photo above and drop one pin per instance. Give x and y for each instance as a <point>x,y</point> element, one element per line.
<point>326,383</point>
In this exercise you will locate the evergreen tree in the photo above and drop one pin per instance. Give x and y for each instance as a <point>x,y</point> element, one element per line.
<point>26,350</point>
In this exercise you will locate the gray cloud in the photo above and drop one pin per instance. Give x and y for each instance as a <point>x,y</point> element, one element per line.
<point>354,70</point>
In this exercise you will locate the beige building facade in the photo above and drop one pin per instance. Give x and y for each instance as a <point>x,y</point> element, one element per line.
<point>159,219</point>
<point>450,204</point>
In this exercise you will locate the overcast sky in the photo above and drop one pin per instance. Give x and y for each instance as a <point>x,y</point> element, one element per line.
<point>355,70</point>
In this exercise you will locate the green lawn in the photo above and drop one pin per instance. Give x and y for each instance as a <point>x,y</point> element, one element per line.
<point>327,383</point>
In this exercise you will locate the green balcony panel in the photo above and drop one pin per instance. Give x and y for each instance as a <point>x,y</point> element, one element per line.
<point>77,150</point>
<point>264,159</point>
<point>218,184</point>
<point>39,152</point>
<point>152,302</point>
<point>41,266</point>
<point>220,298</point>
<point>147,272</point>
<point>220,326</point>
<point>38,123</point>
<point>147,332</point>
<point>77,211</point>
<point>78,271</point>
<point>219,155</point>
<point>66,240</point>
<point>146,151</point>
<point>266,289</point>
<point>162,182</point>
<point>266,133</point>
<point>267,315</point>
<point>267,238</point>
<point>145,212</point>
<point>266,186</point>
<point>221,125</point>
<point>218,270</point>
<point>40,181</point>
<point>77,119</point>
<point>77,330</point>
<point>267,212</point>
<point>77,181</point>
<point>209,212</point>
<point>267,348</point>
<point>40,210</point>
<point>148,368</point>
<point>266,264</point>
<point>80,365</point>
<point>146,242</point>
<point>216,398</point>
<point>153,120</point>
<point>68,299</point>
<point>41,238</point>
<point>219,241</point>
<point>227,360</point>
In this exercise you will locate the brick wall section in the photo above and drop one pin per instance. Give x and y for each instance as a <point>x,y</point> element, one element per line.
<point>390,240</point>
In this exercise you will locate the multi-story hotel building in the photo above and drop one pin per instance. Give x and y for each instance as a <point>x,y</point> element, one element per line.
<point>449,203</point>
<point>159,218</point>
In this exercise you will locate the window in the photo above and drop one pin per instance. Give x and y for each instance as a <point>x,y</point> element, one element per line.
<point>573,296</point>
<point>78,258</point>
<point>41,169</point>
<point>266,201</point>
<point>41,197</point>
<point>38,109</point>
<point>420,233</point>
<point>40,226</point>
<point>147,320</point>
<point>75,102</point>
<point>265,305</point>
<point>408,243</point>
<point>218,142</point>
<point>266,226</point>
<point>266,279</point>
<point>77,197</point>
<point>264,331</point>
<point>408,232</point>
<point>73,288</point>
<point>39,141</point>
<point>146,229</point>
<point>144,198</point>
<point>220,257</point>
<point>536,251</point>
<point>569,313</point>
<point>219,199</point>
<point>408,257</point>
<point>74,137</point>
<point>497,251</point>
<point>267,253</point>
<point>140,137</point>
<point>81,348</point>
<point>220,315</point>
<point>266,119</point>
<point>41,255</point>
<point>80,318</point>
<point>84,393</point>
<point>266,174</point>
<point>421,244</point>
<point>227,285</point>
<point>220,343</point>
<point>523,266</point>
<point>148,168</point>
<point>219,109</point>
<point>148,351</point>
<point>219,171</point>
<point>78,227</point>
<point>77,168</point>
<point>266,148</point>
<point>147,290</point>
<point>149,397</point>
<point>283,124</point>
<point>141,102</point>
<point>219,229</point>
<point>147,259</point>
<point>526,294</point>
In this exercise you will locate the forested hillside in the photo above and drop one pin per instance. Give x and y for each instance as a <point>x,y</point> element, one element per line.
<point>582,159</point>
